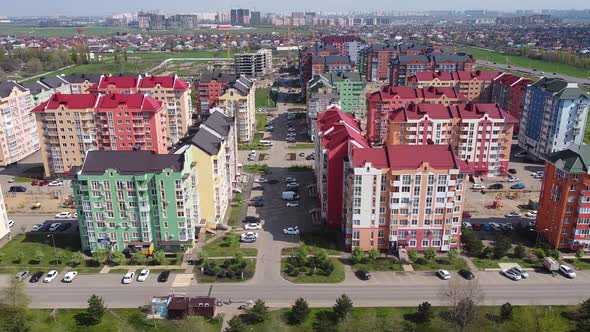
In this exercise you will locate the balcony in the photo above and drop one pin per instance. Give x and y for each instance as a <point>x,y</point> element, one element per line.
<point>393,238</point>
<point>144,208</point>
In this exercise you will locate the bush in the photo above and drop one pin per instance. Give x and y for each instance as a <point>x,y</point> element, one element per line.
<point>506,311</point>
<point>540,253</point>
<point>412,255</point>
<point>429,254</point>
<point>357,255</point>
<point>520,251</point>
<point>421,261</point>
<point>580,253</point>
<point>487,252</point>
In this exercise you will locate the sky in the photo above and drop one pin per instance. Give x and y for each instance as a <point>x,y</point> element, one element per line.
<point>107,7</point>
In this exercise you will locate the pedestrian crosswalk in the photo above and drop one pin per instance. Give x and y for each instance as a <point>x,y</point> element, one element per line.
<point>183,280</point>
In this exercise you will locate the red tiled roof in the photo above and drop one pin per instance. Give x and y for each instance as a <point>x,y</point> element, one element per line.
<point>376,156</point>
<point>71,101</point>
<point>121,82</point>
<point>476,111</point>
<point>437,92</point>
<point>431,75</point>
<point>333,115</point>
<point>441,112</point>
<point>412,156</point>
<point>389,92</point>
<point>131,101</point>
<point>168,82</point>
<point>480,75</point>
<point>507,79</point>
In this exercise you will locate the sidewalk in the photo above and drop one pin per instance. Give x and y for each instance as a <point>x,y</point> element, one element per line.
<point>188,268</point>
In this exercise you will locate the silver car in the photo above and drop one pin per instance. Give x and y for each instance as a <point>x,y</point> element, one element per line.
<point>517,269</point>
<point>22,275</point>
<point>511,275</point>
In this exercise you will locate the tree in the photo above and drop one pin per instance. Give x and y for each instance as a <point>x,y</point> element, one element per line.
<point>412,255</point>
<point>235,325</point>
<point>520,251</point>
<point>259,312</point>
<point>429,254</point>
<point>299,312</point>
<point>59,257</point>
<point>77,259</point>
<point>100,256</point>
<point>96,309</point>
<point>39,255</point>
<point>424,312</point>
<point>580,253</point>
<point>116,257</point>
<point>506,311</point>
<point>343,307</point>
<point>34,66</point>
<point>501,246</point>
<point>554,253</point>
<point>203,256</point>
<point>540,253</point>
<point>324,322</point>
<point>20,256</point>
<point>373,254</point>
<point>463,314</point>
<point>452,255</point>
<point>461,297</point>
<point>14,307</point>
<point>357,255</point>
<point>139,258</point>
<point>158,257</point>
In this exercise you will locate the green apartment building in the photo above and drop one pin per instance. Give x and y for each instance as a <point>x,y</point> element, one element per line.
<point>350,86</point>
<point>137,200</point>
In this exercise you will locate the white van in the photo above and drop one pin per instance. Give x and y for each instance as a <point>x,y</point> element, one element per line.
<point>265,142</point>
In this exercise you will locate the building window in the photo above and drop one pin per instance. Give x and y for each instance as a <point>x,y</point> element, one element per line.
<point>356,235</point>
<point>425,243</point>
<point>412,243</point>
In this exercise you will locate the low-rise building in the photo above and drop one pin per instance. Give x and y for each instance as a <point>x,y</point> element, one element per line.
<point>403,196</point>
<point>137,200</point>
<point>563,217</point>
<point>18,130</point>
<point>554,116</point>
<point>238,101</point>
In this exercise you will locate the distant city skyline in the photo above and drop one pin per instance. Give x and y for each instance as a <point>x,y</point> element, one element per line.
<point>109,7</point>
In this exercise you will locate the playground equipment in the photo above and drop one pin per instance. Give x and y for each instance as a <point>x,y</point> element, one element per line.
<point>497,204</point>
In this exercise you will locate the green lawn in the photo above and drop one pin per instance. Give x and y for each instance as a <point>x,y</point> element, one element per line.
<point>248,273</point>
<point>515,72</point>
<point>379,264</point>
<point>262,98</point>
<point>488,263</point>
<point>439,263</point>
<point>255,143</point>
<point>128,320</point>
<point>579,264</point>
<point>300,168</point>
<point>235,214</point>
<point>403,319</point>
<point>256,168</point>
<point>260,121</point>
<point>121,271</point>
<point>328,241</point>
<point>303,278</point>
<point>227,245</point>
<point>22,179</point>
<point>66,245</point>
<point>301,146</point>
<point>521,61</point>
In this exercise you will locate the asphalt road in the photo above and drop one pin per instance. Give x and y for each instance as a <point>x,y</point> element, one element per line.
<point>532,72</point>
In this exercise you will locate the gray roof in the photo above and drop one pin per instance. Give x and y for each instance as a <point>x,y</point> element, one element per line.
<point>331,59</point>
<point>206,141</point>
<point>341,76</point>
<point>53,82</point>
<point>35,87</point>
<point>130,162</point>
<point>243,85</point>
<point>575,159</point>
<point>81,78</point>
<point>560,87</point>
<point>219,77</point>
<point>443,57</point>
<point>220,123</point>
<point>408,58</point>
<point>6,88</point>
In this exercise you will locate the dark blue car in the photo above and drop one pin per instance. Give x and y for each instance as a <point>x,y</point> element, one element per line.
<point>486,227</point>
<point>518,186</point>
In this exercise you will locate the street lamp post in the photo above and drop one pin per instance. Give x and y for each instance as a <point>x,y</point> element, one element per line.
<point>54,247</point>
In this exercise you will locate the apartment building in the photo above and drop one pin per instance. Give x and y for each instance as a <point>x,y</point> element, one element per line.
<point>67,84</point>
<point>564,205</point>
<point>337,132</point>
<point>209,87</point>
<point>382,103</point>
<point>18,131</point>
<point>375,59</point>
<point>4,227</point>
<point>554,116</point>
<point>214,147</point>
<point>330,64</point>
<point>347,45</point>
<point>480,134</point>
<point>238,101</point>
<point>403,196</point>
<point>172,91</point>
<point>137,200</point>
<point>306,56</point>
<point>69,125</point>
<point>319,98</point>
<point>508,91</point>
<point>403,67</point>
<point>255,64</point>
<point>475,85</point>
<point>350,87</point>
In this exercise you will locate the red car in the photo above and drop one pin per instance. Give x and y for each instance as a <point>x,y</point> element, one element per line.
<point>466,214</point>
<point>34,183</point>
<point>476,227</point>
<point>43,183</point>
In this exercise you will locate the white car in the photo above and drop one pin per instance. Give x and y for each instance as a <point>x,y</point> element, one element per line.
<point>513,179</point>
<point>10,223</point>
<point>567,271</point>
<point>128,278</point>
<point>63,215</point>
<point>55,183</point>
<point>524,274</point>
<point>467,225</point>
<point>512,214</point>
<point>249,234</point>
<point>237,190</point>
<point>36,227</point>
<point>478,186</point>
<point>143,275</point>
<point>291,134</point>
<point>510,274</point>
<point>70,276</point>
<point>50,276</point>
<point>293,204</point>
<point>291,231</point>
<point>53,227</point>
<point>520,154</point>
<point>291,129</point>
<point>495,226</point>
<point>290,179</point>
<point>261,180</point>
<point>292,185</point>
<point>443,274</point>
<point>252,226</point>
<point>531,214</point>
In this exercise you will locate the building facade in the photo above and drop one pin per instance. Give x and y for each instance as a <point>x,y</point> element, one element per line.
<point>402,196</point>
<point>563,217</point>
<point>255,64</point>
<point>350,87</point>
<point>479,134</point>
<point>209,87</point>
<point>403,67</point>
<point>475,85</point>
<point>508,91</point>
<point>239,102</point>
<point>18,130</point>
<point>554,116</point>
<point>4,227</point>
<point>137,200</point>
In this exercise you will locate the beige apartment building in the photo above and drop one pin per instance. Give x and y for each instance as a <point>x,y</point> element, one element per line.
<point>239,102</point>
<point>18,131</point>
<point>4,227</point>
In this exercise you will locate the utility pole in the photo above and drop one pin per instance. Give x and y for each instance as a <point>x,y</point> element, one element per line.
<point>54,248</point>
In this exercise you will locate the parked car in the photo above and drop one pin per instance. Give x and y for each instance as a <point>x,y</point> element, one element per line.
<point>478,186</point>
<point>466,214</point>
<point>36,227</point>
<point>10,222</point>
<point>467,274</point>
<point>363,275</point>
<point>520,154</point>
<point>293,204</point>
<point>292,185</point>
<point>55,183</point>
<point>310,157</point>
<point>496,186</point>
<point>443,274</point>
<point>252,226</point>
<point>63,215</point>
<point>512,179</point>
<point>486,227</point>
<point>54,227</point>
<point>251,220</point>
<point>467,225</point>
<point>524,274</point>
<point>476,227</point>
<point>35,277</point>
<point>237,190</point>
<point>163,277</point>
<point>261,180</point>
<point>249,234</point>
<point>531,214</point>
<point>22,275</point>
<point>143,275</point>
<point>258,187</point>
<point>567,271</point>
<point>128,277</point>
<point>507,226</point>
<point>50,276</point>
<point>248,239</point>
<point>511,274</point>
<point>256,203</point>
<point>512,171</point>
<point>291,231</point>
<point>290,179</point>
<point>512,214</point>
<point>17,189</point>
<point>495,226</point>
<point>518,186</point>
<point>70,276</point>
<point>64,226</point>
